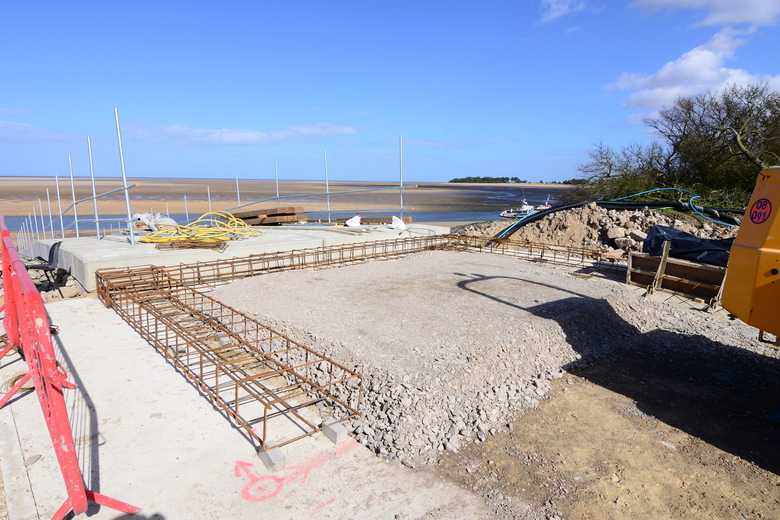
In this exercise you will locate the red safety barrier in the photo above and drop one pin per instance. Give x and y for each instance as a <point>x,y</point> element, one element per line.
<point>27,327</point>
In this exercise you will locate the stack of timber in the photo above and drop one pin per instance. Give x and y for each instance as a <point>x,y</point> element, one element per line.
<point>271,216</point>
<point>683,277</point>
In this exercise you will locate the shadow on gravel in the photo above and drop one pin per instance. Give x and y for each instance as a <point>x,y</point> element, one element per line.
<point>718,393</point>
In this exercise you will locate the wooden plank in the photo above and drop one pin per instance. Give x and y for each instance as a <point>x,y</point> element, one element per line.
<point>267,212</point>
<point>659,275</point>
<point>280,219</point>
<point>679,276</point>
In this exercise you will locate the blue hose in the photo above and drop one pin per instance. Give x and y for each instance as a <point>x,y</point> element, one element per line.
<point>695,209</point>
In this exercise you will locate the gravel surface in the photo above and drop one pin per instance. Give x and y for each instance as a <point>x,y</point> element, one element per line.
<point>452,344</point>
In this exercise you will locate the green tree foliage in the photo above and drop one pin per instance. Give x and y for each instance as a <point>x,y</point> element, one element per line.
<point>713,144</point>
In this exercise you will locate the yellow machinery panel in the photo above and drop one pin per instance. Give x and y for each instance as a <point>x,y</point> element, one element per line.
<point>751,290</point>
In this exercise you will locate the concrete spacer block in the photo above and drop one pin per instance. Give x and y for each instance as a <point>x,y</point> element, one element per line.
<point>272,457</point>
<point>334,431</point>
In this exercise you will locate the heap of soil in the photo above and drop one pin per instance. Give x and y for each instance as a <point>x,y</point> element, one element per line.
<point>594,227</point>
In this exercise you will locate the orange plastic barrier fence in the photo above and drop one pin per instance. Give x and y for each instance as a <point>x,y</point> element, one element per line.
<point>27,327</point>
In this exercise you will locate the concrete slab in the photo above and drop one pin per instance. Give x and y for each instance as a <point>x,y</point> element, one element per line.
<point>83,256</point>
<point>145,436</point>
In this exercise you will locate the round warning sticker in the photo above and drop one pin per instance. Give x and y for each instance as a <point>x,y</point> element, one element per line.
<point>760,211</point>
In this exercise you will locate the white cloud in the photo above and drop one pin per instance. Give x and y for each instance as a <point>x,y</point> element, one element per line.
<point>696,71</point>
<point>552,9</point>
<point>241,136</point>
<point>11,132</point>
<point>13,111</point>
<point>468,142</point>
<point>721,12</point>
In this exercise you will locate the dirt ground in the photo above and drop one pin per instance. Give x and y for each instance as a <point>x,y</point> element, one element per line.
<point>638,436</point>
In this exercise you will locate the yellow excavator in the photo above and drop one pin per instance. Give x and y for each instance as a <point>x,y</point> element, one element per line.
<point>751,290</point>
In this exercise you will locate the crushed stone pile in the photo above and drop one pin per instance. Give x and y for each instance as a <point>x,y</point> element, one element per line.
<point>453,344</point>
<point>594,227</point>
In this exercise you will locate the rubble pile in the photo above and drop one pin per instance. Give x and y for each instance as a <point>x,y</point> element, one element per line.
<point>594,227</point>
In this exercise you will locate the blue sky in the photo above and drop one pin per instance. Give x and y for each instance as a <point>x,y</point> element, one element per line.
<point>225,89</point>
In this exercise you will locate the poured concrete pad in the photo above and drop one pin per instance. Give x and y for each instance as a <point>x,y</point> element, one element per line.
<point>83,256</point>
<point>145,436</point>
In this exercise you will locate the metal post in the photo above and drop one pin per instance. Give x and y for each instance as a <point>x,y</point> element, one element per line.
<point>186,211</point>
<point>51,220</point>
<point>124,176</point>
<point>94,197</point>
<point>276,167</point>
<point>401,185</point>
<point>208,194</point>
<point>238,193</point>
<point>167,212</point>
<point>37,231</point>
<point>73,194</point>
<point>43,226</point>
<point>327,187</point>
<point>59,205</point>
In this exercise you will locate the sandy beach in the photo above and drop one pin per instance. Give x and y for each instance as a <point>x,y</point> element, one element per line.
<point>21,196</point>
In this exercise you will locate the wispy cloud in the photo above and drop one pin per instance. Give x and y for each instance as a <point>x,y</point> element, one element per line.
<point>468,142</point>
<point>553,9</point>
<point>696,71</point>
<point>11,132</point>
<point>242,136</point>
<point>721,12</point>
<point>13,111</point>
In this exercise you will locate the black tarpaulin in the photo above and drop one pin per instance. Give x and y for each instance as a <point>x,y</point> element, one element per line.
<point>686,246</point>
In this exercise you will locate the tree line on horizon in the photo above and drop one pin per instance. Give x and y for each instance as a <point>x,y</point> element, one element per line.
<point>712,144</point>
<point>510,180</point>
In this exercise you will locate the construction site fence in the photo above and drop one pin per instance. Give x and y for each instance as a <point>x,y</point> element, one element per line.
<point>27,327</point>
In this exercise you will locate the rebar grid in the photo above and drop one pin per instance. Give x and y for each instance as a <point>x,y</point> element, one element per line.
<point>209,274</point>
<point>581,257</point>
<point>251,372</point>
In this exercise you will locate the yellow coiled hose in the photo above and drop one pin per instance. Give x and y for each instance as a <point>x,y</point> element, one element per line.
<point>217,226</point>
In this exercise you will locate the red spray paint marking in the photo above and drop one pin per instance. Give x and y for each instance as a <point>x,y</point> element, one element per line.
<point>321,507</point>
<point>260,488</point>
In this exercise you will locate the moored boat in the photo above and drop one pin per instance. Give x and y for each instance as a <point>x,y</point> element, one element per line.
<point>546,205</point>
<point>523,211</point>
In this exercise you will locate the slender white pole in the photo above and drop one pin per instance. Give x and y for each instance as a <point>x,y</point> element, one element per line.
<point>167,212</point>
<point>327,187</point>
<point>59,205</point>
<point>43,226</point>
<point>238,193</point>
<point>186,211</point>
<point>51,220</point>
<point>276,167</point>
<point>73,195</point>
<point>208,194</point>
<point>37,231</point>
<point>401,185</point>
<point>124,176</point>
<point>94,197</point>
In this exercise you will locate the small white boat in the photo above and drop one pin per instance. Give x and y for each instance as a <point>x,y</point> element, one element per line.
<point>546,205</point>
<point>523,211</point>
